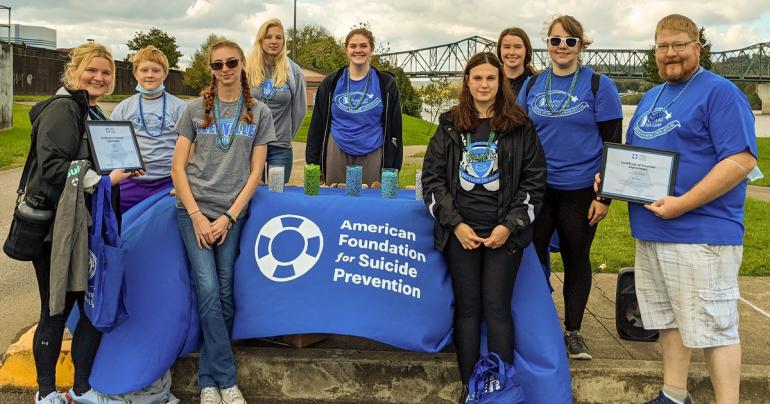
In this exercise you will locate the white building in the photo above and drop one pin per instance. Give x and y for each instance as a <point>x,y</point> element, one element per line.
<point>32,35</point>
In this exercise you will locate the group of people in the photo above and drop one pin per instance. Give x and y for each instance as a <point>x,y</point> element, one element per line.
<point>499,174</point>
<point>513,163</point>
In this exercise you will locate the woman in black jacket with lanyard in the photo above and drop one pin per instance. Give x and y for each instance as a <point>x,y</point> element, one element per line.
<point>58,125</point>
<point>483,180</point>
<point>356,117</point>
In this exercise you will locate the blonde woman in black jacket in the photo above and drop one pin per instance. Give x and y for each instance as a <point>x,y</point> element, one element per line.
<point>483,180</point>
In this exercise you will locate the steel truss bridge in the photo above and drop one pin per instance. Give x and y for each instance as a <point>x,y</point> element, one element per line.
<point>750,64</point>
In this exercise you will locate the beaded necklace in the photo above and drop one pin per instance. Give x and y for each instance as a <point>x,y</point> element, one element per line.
<point>366,89</point>
<point>566,100</point>
<point>224,141</point>
<point>162,120</point>
<point>479,157</point>
<point>656,115</point>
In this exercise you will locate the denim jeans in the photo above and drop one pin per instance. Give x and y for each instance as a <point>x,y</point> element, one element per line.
<point>280,156</point>
<point>211,274</point>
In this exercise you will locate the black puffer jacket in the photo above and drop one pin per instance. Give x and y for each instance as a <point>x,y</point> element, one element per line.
<point>522,181</point>
<point>59,124</point>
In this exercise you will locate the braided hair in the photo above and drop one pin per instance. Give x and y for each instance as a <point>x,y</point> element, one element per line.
<point>209,93</point>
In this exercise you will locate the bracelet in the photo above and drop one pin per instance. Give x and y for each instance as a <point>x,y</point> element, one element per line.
<point>192,213</point>
<point>229,217</point>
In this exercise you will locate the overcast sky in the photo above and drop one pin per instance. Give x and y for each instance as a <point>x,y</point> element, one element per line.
<point>403,24</point>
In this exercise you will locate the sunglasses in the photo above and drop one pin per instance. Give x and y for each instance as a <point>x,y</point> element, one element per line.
<point>232,64</point>
<point>557,41</point>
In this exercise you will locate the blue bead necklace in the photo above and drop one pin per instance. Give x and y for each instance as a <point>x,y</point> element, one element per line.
<point>225,140</point>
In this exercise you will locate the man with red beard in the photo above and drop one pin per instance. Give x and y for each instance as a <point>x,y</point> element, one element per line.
<point>689,245</point>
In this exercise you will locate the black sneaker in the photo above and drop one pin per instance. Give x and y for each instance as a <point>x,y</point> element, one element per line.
<point>663,399</point>
<point>576,346</point>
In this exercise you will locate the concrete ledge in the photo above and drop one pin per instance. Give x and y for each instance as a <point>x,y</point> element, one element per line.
<point>17,369</point>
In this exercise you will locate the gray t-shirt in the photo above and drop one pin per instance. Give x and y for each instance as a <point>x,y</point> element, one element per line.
<point>287,103</point>
<point>155,143</point>
<point>216,175</point>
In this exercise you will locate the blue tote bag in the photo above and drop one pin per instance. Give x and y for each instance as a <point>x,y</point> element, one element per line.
<point>104,300</point>
<point>494,382</point>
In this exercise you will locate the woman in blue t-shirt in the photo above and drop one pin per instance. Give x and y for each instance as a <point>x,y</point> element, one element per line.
<point>360,107</point>
<point>574,110</point>
<point>279,83</point>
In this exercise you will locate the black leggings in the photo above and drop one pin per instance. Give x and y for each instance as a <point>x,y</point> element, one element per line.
<point>482,280</point>
<point>48,335</point>
<point>567,213</point>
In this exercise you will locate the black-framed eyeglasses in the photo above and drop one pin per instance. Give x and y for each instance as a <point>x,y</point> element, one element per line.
<point>677,46</point>
<point>556,41</point>
<point>232,64</point>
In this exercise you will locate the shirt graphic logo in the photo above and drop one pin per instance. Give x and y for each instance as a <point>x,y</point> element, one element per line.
<point>479,166</point>
<point>655,123</point>
<point>348,104</point>
<point>153,122</point>
<point>287,247</point>
<point>557,98</point>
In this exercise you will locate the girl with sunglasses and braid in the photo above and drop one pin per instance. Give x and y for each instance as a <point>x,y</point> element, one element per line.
<point>217,165</point>
<point>574,110</point>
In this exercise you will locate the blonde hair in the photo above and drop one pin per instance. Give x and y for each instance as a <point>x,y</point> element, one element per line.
<point>150,54</point>
<point>79,58</point>
<point>678,23</point>
<point>255,64</point>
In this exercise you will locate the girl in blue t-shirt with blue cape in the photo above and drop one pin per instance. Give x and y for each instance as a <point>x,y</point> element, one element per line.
<point>575,110</point>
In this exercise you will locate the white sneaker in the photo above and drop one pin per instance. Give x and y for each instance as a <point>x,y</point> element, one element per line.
<point>232,395</point>
<point>53,398</point>
<point>210,395</point>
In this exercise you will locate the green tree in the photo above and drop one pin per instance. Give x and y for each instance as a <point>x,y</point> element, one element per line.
<point>435,97</point>
<point>651,68</point>
<point>197,74</point>
<point>317,48</point>
<point>161,40</point>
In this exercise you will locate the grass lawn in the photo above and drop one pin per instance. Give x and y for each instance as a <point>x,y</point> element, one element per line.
<point>415,130</point>
<point>614,247</point>
<point>14,142</point>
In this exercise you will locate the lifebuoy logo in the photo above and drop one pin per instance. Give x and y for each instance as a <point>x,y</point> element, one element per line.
<point>287,247</point>
<point>91,264</point>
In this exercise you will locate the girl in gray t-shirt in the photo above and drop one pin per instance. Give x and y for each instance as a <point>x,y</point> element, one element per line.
<point>218,161</point>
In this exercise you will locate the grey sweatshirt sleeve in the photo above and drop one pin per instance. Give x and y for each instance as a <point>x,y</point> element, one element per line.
<point>299,98</point>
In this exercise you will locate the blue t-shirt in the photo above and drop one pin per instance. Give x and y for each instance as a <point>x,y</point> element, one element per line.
<point>568,133</point>
<point>357,115</point>
<point>709,121</point>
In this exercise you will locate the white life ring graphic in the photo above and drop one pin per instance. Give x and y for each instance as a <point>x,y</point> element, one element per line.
<point>287,247</point>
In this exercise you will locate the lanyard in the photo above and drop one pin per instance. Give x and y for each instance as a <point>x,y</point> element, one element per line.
<point>162,120</point>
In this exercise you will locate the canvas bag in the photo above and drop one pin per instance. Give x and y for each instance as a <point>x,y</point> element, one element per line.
<point>493,382</point>
<point>105,296</point>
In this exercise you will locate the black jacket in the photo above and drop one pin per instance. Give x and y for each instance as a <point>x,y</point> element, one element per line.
<point>320,123</point>
<point>59,124</point>
<point>522,181</point>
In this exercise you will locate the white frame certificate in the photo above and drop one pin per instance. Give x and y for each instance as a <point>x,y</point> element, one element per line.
<point>113,146</point>
<point>637,174</point>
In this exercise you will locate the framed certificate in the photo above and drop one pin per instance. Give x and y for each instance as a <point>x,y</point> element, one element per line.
<point>637,174</point>
<point>113,146</point>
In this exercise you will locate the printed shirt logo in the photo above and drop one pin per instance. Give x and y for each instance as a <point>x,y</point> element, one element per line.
<point>367,101</point>
<point>287,247</point>
<point>153,122</point>
<point>557,97</point>
<point>479,166</point>
<point>243,129</point>
<point>269,90</point>
<point>655,123</point>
